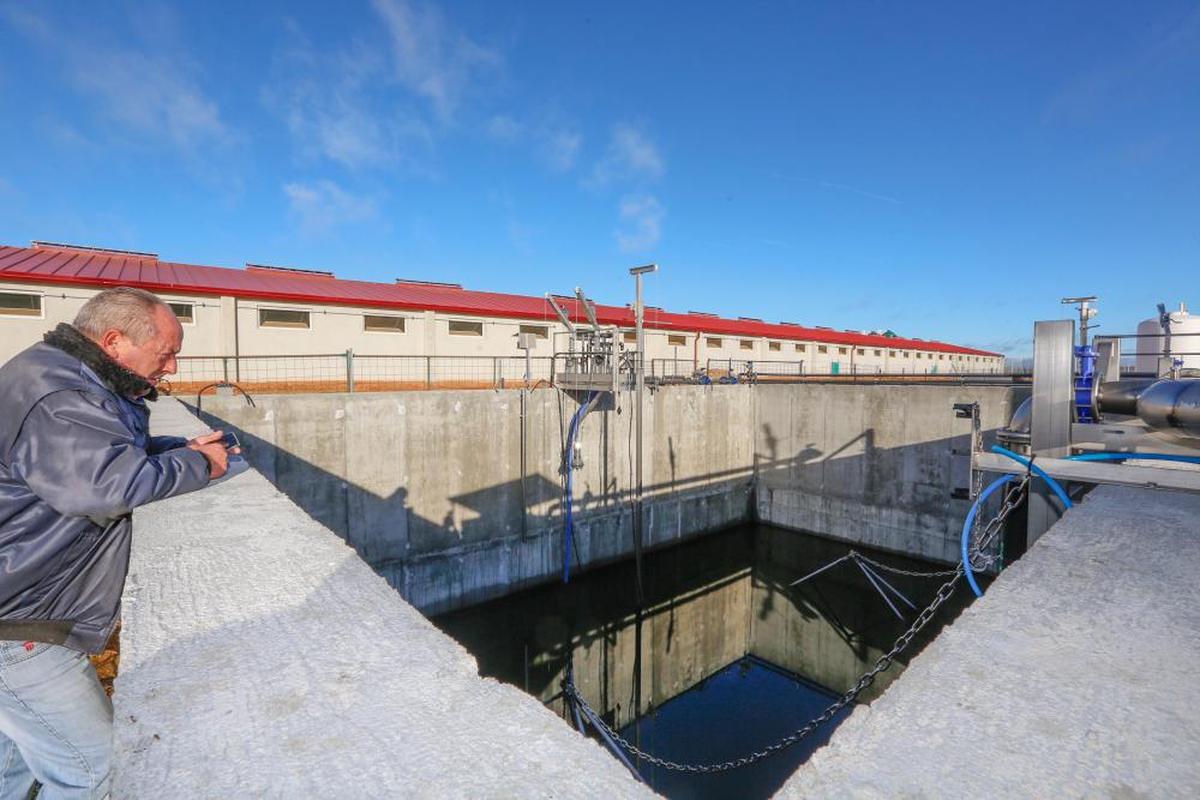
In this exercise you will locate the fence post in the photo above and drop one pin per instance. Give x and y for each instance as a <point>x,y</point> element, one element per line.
<point>428,372</point>
<point>350,370</point>
<point>225,368</point>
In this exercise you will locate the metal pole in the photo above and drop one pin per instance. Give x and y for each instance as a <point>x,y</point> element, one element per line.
<point>638,412</point>
<point>350,370</point>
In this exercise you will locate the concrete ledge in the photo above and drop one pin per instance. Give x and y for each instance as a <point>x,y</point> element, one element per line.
<point>1075,676</point>
<point>262,658</point>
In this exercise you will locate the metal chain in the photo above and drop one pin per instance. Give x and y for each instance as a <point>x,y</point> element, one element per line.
<point>1014,495</point>
<point>912,573</point>
<point>885,661</point>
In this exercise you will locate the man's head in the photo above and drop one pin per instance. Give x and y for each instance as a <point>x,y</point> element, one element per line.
<point>135,329</point>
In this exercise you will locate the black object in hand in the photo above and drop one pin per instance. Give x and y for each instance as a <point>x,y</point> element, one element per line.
<point>230,440</point>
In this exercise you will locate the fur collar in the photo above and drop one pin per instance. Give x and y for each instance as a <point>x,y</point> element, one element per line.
<point>121,380</point>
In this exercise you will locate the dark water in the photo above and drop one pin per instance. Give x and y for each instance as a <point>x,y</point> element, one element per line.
<point>722,656</point>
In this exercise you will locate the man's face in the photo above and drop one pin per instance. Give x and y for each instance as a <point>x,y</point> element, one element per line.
<point>153,358</point>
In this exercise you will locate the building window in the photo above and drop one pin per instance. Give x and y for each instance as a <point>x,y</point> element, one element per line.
<point>675,340</point>
<point>891,353</point>
<point>631,336</point>
<point>774,346</point>
<point>282,318</point>
<point>713,341</point>
<point>820,348</point>
<point>462,327</point>
<point>20,304</point>
<point>878,352</point>
<point>906,354</point>
<point>184,312</point>
<point>801,348</point>
<point>941,356</point>
<point>841,351</point>
<point>860,351</point>
<point>746,344</point>
<point>383,323</point>
<point>539,331</point>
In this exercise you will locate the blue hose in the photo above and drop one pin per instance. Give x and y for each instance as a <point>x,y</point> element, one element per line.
<point>569,523</point>
<point>1041,473</point>
<point>966,531</point>
<point>1125,456</point>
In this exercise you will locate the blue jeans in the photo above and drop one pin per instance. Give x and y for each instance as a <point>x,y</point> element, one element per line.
<point>55,723</point>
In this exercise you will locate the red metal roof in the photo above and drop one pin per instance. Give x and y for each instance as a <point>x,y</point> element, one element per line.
<point>63,264</point>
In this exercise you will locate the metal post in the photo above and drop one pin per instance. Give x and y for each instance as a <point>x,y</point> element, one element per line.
<point>1050,428</point>
<point>638,413</point>
<point>349,370</point>
<point>428,372</point>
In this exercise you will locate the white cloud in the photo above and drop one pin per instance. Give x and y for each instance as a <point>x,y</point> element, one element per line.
<point>330,103</point>
<point>641,217</point>
<point>429,58</point>
<point>554,141</point>
<point>322,205</point>
<point>631,155</point>
<point>149,87</point>
<point>504,128</point>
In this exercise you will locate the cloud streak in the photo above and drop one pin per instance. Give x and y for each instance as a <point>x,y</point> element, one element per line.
<point>150,88</point>
<point>641,218</point>
<point>321,205</point>
<point>429,58</point>
<point>630,156</point>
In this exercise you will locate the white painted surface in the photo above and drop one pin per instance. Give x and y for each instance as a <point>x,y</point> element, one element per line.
<point>262,658</point>
<point>1077,675</point>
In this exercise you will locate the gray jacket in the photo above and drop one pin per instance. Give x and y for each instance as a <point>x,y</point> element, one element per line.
<point>76,458</point>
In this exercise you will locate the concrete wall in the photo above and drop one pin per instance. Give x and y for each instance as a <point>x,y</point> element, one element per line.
<point>429,488</point>
<point>428,485</point>
<point>871,464</point>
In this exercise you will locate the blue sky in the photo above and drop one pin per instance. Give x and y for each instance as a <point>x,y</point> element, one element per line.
<point>947,170</point>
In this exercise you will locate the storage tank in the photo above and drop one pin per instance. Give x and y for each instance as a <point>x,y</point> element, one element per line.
<point>1151,347</point>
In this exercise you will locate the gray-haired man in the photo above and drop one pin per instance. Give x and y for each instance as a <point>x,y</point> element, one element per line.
<point>76,458</point>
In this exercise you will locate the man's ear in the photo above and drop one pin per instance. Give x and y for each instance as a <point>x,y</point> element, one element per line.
<point>109,341</point>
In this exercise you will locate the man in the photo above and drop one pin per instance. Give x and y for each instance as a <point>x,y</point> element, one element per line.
<point>76,458</point>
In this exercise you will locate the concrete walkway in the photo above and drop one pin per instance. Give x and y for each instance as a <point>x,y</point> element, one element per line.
<point>1077,675</point>
<point>262,658</point>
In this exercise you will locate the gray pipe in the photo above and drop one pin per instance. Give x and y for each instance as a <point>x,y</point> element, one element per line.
<point>1171,405</point>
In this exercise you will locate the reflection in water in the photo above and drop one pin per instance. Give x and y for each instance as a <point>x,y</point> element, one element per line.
<point>710,603</point>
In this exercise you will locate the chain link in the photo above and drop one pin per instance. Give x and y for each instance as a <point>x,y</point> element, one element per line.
<point>885,661</point>
<point>1014,495</point>
<point>912,573</point>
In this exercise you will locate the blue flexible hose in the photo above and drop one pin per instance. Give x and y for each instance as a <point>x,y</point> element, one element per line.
<point>569,523</point>
<point>966,531</point>
<point>1041,473</point>
<point>1125,456</point>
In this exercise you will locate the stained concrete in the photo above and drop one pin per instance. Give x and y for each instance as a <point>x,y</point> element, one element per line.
<point>428,486</point>
<point>261,657</point>
<point>1076,675</point>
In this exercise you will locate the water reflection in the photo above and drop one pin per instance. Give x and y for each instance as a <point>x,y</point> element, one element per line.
<point>710,603</point>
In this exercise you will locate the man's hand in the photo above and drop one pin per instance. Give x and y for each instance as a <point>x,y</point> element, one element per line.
<point>212,448</point>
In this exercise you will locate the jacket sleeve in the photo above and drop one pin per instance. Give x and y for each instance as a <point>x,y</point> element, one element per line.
<point>161,444</point>
<point>81,459</point>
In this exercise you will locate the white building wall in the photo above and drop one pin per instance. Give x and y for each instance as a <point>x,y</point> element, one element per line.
<point>222,324</point>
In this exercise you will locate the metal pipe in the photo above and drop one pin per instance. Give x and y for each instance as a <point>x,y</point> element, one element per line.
<point>1171,405</point>
<point>588,308</point>
<point>562,315</point>
<point>1121,397</point>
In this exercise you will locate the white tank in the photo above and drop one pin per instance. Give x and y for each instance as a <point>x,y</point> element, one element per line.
<point>1150,348</point>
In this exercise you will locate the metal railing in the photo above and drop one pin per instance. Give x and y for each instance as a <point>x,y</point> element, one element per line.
<point>349,372</point>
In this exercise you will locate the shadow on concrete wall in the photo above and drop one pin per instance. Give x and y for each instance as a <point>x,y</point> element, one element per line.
<point>895,498</point>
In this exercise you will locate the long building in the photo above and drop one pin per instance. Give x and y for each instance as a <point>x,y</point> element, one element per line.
<point>262,310</point>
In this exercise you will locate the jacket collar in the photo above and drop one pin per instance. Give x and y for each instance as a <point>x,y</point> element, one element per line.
<point>121,380</point>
